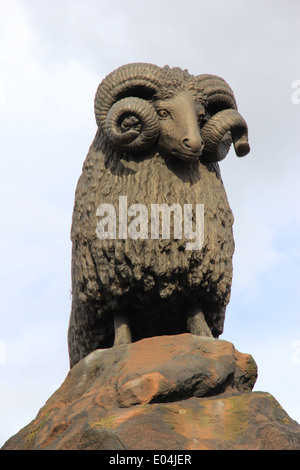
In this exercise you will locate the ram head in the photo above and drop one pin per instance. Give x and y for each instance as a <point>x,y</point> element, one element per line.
<point>189,117</point>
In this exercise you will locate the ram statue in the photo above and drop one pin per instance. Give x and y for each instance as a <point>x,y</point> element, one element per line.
<point>152,240</point>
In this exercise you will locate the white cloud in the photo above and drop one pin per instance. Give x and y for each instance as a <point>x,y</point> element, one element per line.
<point>278,373</point>
<point>2,92</point>
<point>16,33</point>
<point>2,352</point>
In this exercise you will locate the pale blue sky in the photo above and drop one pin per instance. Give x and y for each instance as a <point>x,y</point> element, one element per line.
<point>52,57</point>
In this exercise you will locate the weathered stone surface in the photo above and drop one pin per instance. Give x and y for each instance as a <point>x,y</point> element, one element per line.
<point>164,393</point>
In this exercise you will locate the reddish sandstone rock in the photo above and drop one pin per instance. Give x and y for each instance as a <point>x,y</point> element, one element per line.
<point>162,393</point>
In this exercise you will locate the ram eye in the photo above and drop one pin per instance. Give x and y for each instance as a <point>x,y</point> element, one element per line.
<point>200,118</point>
<point>163,113</point>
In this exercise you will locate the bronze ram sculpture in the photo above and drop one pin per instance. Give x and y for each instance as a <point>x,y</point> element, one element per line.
<point>161,132</point>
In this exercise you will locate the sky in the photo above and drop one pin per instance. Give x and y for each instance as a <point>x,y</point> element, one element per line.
<point>53,55</point>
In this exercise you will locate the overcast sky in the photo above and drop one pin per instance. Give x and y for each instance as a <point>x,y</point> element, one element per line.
<point>53,54</point>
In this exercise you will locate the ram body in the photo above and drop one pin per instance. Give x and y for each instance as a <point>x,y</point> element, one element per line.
<point>161,133</point>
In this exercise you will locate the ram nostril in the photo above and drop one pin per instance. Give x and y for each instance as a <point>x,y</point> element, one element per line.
<point>186,143</point>
<point>193,145</point>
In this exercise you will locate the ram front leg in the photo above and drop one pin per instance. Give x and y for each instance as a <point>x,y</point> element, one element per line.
<point>196,323</point>
<point>122,329</point>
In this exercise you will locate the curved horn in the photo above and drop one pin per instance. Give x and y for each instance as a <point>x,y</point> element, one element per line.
<point>130,123</point>
<point>220,131</point>
<point>224,124</point>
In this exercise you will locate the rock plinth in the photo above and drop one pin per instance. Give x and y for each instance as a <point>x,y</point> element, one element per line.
<point>178,392</point>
